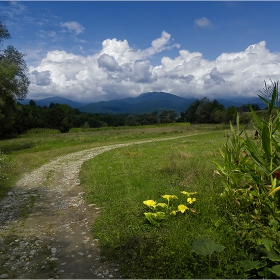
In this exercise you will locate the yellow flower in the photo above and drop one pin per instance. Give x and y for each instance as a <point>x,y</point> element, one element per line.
<point>163,205</point>
<point>150,203</point>
<point>191,200</point>
<point>173,212</point>
<point>169,196</point>
<point>188,193</point>
<point>182,208</point>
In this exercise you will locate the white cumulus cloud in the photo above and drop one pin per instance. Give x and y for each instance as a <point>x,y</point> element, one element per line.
<point>119,71</point>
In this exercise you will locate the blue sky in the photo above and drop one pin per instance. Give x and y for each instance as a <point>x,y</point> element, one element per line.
<point>92,51</point>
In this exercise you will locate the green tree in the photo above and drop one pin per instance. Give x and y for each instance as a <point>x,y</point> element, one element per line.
<point>204,110</point>
<point>168,116</point>
<point>13,83</point>
<point>60,116</point>
<point>231,114</point>
<point>189,115</point>
<point>131,120</point>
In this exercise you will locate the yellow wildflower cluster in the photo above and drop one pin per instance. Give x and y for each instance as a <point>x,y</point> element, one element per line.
<point>169,209</point>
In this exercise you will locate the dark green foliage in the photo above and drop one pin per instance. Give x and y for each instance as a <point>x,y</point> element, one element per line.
<point>251,179</point>
<point>205,111</point>
<point>167,116</point>
<point>13,84</point>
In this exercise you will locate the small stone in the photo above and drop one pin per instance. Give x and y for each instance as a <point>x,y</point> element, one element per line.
<point>53,250</point>
<point>3,276</point>
<point>32,252</point>
<point>80,253</point>
<point>53,259</point>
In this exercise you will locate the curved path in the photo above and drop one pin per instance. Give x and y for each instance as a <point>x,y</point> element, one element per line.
<point>45,223</point>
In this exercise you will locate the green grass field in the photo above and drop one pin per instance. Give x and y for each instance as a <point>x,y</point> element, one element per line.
<point>120,180</point>
<point>212,239</point>
<point>31,150</point>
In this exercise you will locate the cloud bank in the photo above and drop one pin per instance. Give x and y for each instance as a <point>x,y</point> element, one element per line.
<point>119,71</point>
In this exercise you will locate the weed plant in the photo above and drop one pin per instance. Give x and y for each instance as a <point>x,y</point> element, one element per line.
<point>120,180</point>
<point>251,175</point>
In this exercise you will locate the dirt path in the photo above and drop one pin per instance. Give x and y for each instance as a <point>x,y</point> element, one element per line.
<point>45,224</point>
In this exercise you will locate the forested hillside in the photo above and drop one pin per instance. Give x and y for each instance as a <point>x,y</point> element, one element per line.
<point>62,117</point>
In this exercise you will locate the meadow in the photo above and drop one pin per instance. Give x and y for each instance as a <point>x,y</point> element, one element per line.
<point>169,209</point>
<point>38,146</point>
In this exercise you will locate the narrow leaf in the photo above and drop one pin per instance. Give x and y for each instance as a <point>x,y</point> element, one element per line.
<point>274,191</point>
<point>266,141</point>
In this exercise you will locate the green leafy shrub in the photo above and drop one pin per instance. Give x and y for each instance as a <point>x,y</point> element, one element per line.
<point>251,172</point>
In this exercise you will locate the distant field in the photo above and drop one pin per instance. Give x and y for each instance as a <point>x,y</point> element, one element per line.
<point>31,150</point>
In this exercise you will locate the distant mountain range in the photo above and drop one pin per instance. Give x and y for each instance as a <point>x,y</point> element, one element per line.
<point>55,99</point>
<point>144,103</point>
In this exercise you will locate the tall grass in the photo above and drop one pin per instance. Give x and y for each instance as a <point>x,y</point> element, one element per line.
<point>120,180</point>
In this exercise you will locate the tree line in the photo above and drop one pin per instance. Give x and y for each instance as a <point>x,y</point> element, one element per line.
<point>62,117</point>
<point>206,111</point>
